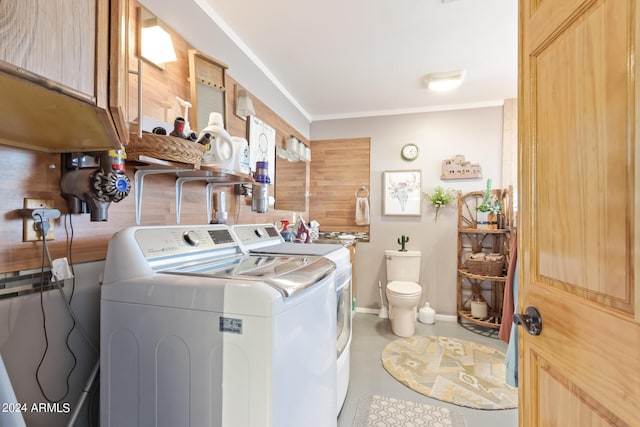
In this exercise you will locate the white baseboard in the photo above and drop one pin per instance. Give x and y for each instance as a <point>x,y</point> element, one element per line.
<point>367,310</point>
<point>441,317</point>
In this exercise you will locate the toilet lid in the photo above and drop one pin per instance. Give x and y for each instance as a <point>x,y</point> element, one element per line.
<point>404,288</point>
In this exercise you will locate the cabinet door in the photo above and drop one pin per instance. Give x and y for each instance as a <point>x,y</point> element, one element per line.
<point>119,68</point>
<point>56,75</point>
<point>53,39</point>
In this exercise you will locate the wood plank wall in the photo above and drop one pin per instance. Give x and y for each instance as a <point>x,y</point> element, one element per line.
<point>160,88</point>
<point>339,168</point>
<point>292,178</point>
<point>37,175</point>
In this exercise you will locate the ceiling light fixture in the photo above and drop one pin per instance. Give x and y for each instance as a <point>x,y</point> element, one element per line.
<point>442,82</point>
<point>156,45</point>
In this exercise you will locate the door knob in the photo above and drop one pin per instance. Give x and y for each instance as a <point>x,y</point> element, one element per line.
<point>531,320</point>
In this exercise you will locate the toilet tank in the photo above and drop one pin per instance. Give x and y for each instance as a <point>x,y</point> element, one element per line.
<point>404,266</point>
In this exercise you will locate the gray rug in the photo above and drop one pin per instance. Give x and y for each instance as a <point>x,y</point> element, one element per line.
<point>379,411</point>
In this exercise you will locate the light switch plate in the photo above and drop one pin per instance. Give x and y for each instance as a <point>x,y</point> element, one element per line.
<point>29,233</point>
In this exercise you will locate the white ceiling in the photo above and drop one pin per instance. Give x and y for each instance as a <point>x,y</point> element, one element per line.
<point>354,58</point>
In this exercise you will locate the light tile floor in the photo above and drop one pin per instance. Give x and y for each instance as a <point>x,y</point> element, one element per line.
<point>371,334</point>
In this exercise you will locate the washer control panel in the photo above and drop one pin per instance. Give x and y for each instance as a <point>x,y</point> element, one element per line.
<point>170,241</point>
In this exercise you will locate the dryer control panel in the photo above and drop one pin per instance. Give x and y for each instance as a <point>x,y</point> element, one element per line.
<point>257,234</point>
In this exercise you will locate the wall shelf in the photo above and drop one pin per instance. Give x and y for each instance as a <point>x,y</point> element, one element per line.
<point>142,161</point>
<point>212,176</point>
<point>481,231</point>
<point>464,272</point>
<point>493,321</point>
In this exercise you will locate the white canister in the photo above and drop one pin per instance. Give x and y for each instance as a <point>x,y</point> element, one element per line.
<point>482,220</point>
<point>301,150</point>
<point>427,314</point>
<point>292,145</point>
<point>241,161</point>
<point>479,310</point>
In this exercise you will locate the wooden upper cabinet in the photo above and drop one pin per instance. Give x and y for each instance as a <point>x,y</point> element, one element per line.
<point>119,68</point>
<point>63,74</point>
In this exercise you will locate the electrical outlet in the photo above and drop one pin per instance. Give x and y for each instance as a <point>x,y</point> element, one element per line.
<point>29,233</point>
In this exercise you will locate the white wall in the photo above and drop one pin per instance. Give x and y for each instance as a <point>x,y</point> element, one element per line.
<point>475,133</point>
<point>22,344</point>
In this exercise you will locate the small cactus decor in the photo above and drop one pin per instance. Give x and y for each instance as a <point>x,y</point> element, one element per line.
<point>403,241</point>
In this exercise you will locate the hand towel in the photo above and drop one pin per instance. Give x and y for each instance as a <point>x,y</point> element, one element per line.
<point>508,305</point>
<point>511,358</point>
<point>362,211</point>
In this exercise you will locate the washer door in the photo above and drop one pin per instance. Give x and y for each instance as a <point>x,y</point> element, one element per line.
<point>344,314</point>
<point>287,274</point>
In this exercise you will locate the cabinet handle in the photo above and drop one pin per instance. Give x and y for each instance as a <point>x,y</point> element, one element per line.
<point>531,320</point>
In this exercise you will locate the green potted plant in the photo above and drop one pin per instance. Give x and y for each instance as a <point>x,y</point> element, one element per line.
<point>440,197</point>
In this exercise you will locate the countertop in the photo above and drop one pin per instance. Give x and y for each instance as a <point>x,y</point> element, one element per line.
<point>345,239</point>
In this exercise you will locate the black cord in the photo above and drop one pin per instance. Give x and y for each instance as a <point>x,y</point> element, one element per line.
<point>73,326</point>
<point>44,328</point>
<point>92,413</point>
<point>69,256</point>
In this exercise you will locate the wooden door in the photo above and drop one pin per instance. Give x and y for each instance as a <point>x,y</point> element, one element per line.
<point>579,244</point>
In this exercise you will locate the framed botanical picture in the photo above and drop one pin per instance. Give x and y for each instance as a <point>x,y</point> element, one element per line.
<point>401,192</point>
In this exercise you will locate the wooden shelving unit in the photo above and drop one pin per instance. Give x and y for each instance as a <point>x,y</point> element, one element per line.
<point>472,239</point>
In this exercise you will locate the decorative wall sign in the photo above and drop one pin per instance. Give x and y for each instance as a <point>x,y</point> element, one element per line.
<point>458,168</point>
<point>401,192</point>
<point>262,145</point>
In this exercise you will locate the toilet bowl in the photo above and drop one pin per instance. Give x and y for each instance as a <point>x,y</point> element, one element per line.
<point>403,290</point>
<point>403,298</point>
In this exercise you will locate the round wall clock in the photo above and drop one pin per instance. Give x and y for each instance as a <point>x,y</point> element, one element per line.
<point>409,152</point>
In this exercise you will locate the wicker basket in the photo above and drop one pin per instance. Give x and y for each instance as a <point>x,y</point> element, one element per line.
<point>165,147</point>
<point>485,268</point>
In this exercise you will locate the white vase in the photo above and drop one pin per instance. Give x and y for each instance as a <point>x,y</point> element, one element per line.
<point>482,220</point>
<point>427,314</point>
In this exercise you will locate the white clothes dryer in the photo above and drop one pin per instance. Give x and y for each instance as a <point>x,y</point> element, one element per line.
<point>194,332</point>
<point>266,239</point>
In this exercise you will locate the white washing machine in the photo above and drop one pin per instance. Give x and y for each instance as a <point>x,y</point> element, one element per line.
<point>196,333</point>
<point>265,239</point>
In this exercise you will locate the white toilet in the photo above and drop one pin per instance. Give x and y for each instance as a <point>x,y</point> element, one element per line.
<point>403,290</point>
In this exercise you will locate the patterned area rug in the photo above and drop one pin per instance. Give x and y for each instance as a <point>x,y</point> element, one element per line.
<point>455,371</point>
<point>379,411</point>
